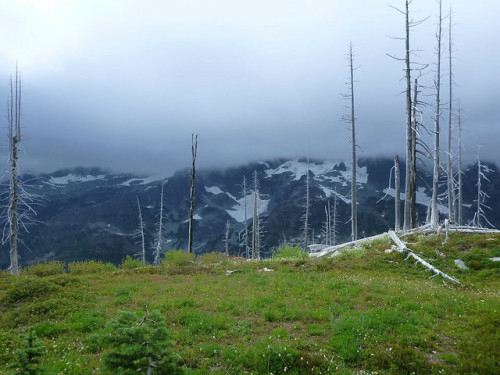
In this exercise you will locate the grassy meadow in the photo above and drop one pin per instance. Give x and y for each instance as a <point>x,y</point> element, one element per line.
<point>364,312</point>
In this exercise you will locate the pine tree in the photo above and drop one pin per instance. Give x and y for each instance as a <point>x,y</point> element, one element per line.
<point>27,358</point>
<point>138,345</point>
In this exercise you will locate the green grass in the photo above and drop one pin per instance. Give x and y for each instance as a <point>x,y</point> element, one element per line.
<point>363,312</point>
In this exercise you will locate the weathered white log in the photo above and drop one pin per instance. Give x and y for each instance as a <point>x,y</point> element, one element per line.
<point>331,249</point>
<point>426,229</point>
<point>403,249</point>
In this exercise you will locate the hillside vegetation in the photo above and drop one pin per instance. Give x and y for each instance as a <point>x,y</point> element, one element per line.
<point>364,312</point>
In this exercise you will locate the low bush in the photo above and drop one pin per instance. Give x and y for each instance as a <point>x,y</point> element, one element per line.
<point>178,258</point>
<point>45,269</point>
<point>29,289</point>
<point>131,263</point>
<point>290,252</point>
<point>90,266</point>
<point>213,257</point>
<point>478,259</point>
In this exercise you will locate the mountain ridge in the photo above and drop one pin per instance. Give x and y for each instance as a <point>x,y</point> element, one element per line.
<point>92,213</point>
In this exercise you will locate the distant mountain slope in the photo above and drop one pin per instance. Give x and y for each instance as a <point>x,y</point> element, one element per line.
<point>90,213</point>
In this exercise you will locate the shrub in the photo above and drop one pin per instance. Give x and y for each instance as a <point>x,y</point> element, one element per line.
<point>478,259</point>
<point>202,323</point>
<point>178,258</point>
<point>28,290</point>
<point>87,321</point>
<point>90,266</point>
<point>290,252</point>
<point>213,257</point>
<point>131,263</point>
<point>45,269</point>
<point>48,329</point>
<point>138,345</point>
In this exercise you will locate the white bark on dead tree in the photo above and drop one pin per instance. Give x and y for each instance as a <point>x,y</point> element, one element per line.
<point>459,168</point>
<point>437,115</point>
<point>256,225</point>
<point>306,208</point>
<point>449,165</point>
<point>141,232</point>
<point>226,240</point>
<point>247,247</point>
<point>408,207</point>
<point>194,153</point>
<point>354,200</point>
<point>159,233</point>
<point>14,121</point>
<point>397,197</point>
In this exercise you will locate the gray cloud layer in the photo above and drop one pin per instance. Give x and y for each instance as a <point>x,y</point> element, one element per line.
<point>123,84</point>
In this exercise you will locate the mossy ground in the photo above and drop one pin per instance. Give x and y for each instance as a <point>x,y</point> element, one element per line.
<point>363,312</point>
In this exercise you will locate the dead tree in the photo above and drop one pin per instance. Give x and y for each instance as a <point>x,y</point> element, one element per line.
<point>14,121</point>
<point>247,247</point>
<point>327,224</point>
<point>409,207</point>
<point>194,152</point>
<point>226,239</point>
<point>159,232</point>
<point>449,165</point>
<point>256,229</point>
<point>397,197</point>
<point>409,217</point>
<point>413,177</point>
<point>459,167</point>
<point>437,115</point>
<point>351,120</point>
<point>305,217</point>
<point>334,220</point>
<point>481,195</point>
<point>140,232</point>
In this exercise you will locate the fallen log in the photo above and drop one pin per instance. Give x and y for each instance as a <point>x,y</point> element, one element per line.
<point>332,249</point>
<point>401,247</point>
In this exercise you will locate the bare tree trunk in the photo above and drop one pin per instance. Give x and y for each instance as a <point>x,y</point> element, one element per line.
<point>141,232</point>
<point>14,120</point>
<point>451,182</point>
<point>354,201</point>
<point>226,242</point>
<point>413,176</point>
<point>254,226</point>
<point>397,195</point>
<point>435,179</point>
<point>247,247</point>
<point>479,194</point>
<point>459,167</point>
<point>159,240</point>
<point>194,152</point>
<point>306,214</point>
<point>327,225</point>
<point>256,241</point>
<point>333,222</point>
<point>409,165</point>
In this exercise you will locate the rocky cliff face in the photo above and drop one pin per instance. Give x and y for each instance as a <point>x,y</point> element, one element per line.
<point>91,214</point>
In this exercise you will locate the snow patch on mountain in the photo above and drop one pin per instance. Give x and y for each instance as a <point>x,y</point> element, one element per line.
<point>421,197</point>
<point>73,178</point>
<point>321,171</point>
<point>195,217</point>
<point>214,190</point>
<point>237,212</point>
<point>142,181</point>
<point>330,193</point>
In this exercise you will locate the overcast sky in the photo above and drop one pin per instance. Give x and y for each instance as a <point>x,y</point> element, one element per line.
<point>122,84</point>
